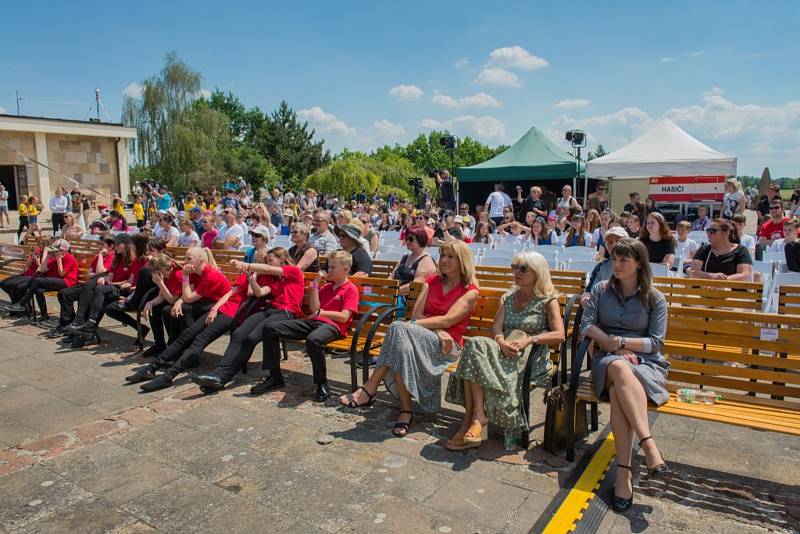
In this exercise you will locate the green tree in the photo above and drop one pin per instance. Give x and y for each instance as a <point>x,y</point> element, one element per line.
<point>290,146</point>
<point>157,114</point>
<point>247,162</point>
<point>243,122</point>
<point>343,177</point>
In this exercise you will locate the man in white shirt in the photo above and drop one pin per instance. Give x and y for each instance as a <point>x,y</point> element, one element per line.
<point>496,202</point>
<point>4,206</point>
<point>165,229</point>
<point>230,234</point>
<point>58,208</point>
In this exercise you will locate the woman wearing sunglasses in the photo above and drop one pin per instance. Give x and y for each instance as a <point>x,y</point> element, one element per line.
<point>489,375</point>
<point>723,257</point>
<point>417,265</point>
<point>304,256</point>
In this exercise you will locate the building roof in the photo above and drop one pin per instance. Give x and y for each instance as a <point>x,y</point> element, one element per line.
<point>24,123</point>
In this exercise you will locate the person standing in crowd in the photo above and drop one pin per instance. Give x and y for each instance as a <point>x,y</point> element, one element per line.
<point>230,235</point>
<point>24,221</point>
<point>567,202</point>
<point>764,203</point>
<point>723,257</point>
<point>495,203</point>
<point>163,199</point>
<point>323,239</point>
<point>633,205</point>
<point>333,306</point>
<point>445,183</point>
<point>138,211</point>
<point>4,207</point>
<point>658,240</point>
<point>733,201</point>
<point>531,203</point>
<point>772,228</point>
<point>748,241</point>
<point>627,319</point>
<point>598,200</point>
<point>34,208</point>
<point>489,376</point>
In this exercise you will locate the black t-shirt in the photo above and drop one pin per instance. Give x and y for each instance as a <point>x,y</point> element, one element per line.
<point>455,231</point>
<point>361,261</point>
<point>659,249</point>
<point>725,263</point>
<point>792,252</point>
<point>530,204</point>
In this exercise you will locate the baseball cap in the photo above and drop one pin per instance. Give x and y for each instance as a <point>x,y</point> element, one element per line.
<point>261,232</point>
<point>615,231</point>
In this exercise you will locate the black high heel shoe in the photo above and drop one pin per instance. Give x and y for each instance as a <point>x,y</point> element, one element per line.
<point>659,469</point>
<point>618,504</point>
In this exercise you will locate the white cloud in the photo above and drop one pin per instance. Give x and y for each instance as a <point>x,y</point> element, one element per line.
<point>205,93</point>
<point>572,103</point>
<point>389,129</point>
<point>696,53</point>
<point>486,127</point>
<point>461,63</point>
<point>2,110</point>
<point>515,57</point>
<point>325,122</point>
<point>406,92</point>
<point>478,100</point>
<point>132,90</point>
<point>501,77</point>
<point>667,59</point>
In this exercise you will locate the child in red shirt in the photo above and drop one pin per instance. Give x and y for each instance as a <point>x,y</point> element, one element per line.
<point>333,307</point>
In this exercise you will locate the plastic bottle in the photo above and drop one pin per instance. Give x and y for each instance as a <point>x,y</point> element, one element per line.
<point>697,396</point>
<point>510,439</point>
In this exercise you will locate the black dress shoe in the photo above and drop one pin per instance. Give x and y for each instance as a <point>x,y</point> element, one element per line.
<point>618,504</point>
<point>269,383</point>
<point>43,318</point>
<point>321,392</point>
<point>58,331</point>
<point>210,381</point>
<point>153,351</point>
<point>85,329</point>
<point>117,307</point>
<point>162,381</point>
<point>142,375</point>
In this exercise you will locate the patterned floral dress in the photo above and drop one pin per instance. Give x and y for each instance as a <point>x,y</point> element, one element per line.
<point>484,363</point>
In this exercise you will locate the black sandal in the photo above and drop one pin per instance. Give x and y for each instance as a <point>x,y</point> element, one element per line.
<point>351,400</point>
<point>657,470</point>
<point>618,504</point>
<point>400,429</point>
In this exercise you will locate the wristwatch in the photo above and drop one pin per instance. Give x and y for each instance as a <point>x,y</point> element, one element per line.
<point>622,343</point>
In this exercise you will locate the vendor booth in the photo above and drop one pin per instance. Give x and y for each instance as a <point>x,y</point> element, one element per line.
<point>669,165</point>
<point>530,161</point>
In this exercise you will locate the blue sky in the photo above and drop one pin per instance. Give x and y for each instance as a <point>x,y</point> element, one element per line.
<point>369,73</point>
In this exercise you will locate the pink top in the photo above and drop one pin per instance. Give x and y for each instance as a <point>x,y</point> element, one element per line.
<point>439,303</point>
<point>208,238</point>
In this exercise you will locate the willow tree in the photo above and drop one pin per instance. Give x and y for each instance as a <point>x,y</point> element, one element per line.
<point>163,117</point>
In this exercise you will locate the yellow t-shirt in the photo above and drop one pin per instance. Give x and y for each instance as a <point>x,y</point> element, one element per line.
<point>138,211</point>
<point>189,204</point>
<point>32,211</point>
<point>118,207</point>
<point>23,210</point>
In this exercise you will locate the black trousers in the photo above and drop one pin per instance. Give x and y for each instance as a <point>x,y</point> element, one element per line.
<point>58,222</point>
<point>39,286</point>
<point>185,351</point>
<point>316,333</point>
<point>94,298</point>
<point>175,325</point>
<point>23,224</point>
<point>15,286</point>
<point>67,298</point>
<point>245,339</point>
<point>144,283</point>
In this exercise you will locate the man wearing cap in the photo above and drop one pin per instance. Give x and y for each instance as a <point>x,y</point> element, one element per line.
<point>230,235</point>
<point>58,269</point>
<point>196,216</point>
<point>350,238</point>
<point>163,198</point>
<point>323,239</point>
<point>603,270</point>
<point>260,236</point>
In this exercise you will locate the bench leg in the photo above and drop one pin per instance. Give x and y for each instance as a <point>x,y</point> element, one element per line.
<point>570,416</point>
<point>594,417</point>
<point>285,353</point>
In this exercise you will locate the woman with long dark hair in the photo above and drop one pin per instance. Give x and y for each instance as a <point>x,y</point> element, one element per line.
<point>723,257</point>
<point>658,240</point>
<point>627,319</point>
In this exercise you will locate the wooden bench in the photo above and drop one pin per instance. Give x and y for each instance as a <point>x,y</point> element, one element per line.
<point>751,359</point>
<point>712,293</point>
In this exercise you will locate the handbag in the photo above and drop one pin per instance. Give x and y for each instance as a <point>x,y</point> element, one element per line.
<point>556,421</point>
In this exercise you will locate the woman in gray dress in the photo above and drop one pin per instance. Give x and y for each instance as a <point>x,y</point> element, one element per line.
<point>488,381</point>
<point>416,353</point>
<point>627,319</point>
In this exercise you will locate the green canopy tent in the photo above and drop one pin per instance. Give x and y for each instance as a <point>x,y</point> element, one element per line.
<point>533,157</point>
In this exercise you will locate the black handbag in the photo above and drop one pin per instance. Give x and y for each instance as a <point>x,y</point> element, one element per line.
<point>557,419</point>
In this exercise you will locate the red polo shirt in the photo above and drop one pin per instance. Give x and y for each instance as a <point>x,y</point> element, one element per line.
<point>70,266</point>
<point>345,297</point>
<point>287,291</point>
<point>772,229</point>
<point>174,282</point>
<point>107,259</point>
<point>211,284</point>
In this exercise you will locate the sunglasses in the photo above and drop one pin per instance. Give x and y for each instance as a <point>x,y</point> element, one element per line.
<point>776,208</point>
<point>411,239</point>
<point>522,269</point>
<point>713,230</point>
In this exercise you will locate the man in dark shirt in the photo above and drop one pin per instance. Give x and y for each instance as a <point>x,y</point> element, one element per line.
<point>350,239</point>
<point>533,203</point>
<point>773,192</point>
<point>632,206</point>
<point>445,183</point>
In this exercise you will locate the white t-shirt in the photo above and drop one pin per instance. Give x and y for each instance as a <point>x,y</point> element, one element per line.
<point>168,234</point>
<point>749,242</point>
<point>4,198</point>
<point>684,249</point>
<point>224,233</point>
<point>185,240</point>
<point>497,201</point>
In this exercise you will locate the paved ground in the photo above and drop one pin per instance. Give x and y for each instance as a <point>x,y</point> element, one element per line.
<point>81,452</point>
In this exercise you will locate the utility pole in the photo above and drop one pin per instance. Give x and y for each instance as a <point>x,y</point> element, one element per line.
<point>19,98</point>
<point>97,102</point>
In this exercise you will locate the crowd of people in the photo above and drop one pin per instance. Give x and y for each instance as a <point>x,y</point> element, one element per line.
<point>188,302</point>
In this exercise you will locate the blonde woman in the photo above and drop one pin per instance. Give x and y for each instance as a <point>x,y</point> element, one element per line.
<point>733,201</point>
<point>417,352</point>
<point>489,377</point>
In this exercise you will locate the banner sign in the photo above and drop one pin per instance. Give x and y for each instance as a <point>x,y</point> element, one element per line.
<point>687,188</point>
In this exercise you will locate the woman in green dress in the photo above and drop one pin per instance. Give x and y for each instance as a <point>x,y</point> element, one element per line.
<point>488,381</point>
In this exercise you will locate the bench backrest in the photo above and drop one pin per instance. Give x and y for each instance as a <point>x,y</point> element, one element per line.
<point>734,352</point>
<point>789,299</point>
<point>711,293</point>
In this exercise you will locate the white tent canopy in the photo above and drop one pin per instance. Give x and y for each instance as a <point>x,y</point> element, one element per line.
<point>664,150</point>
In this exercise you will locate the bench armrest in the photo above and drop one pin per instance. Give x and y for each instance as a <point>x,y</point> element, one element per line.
<point>576,364</point>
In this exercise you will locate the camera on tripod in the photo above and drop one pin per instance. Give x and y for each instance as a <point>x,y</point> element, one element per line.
<point>415,182</point>
<point>435,172</point>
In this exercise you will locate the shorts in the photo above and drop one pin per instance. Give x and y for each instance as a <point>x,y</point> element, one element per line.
<point>3,209</point>
<point>33,219</point>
